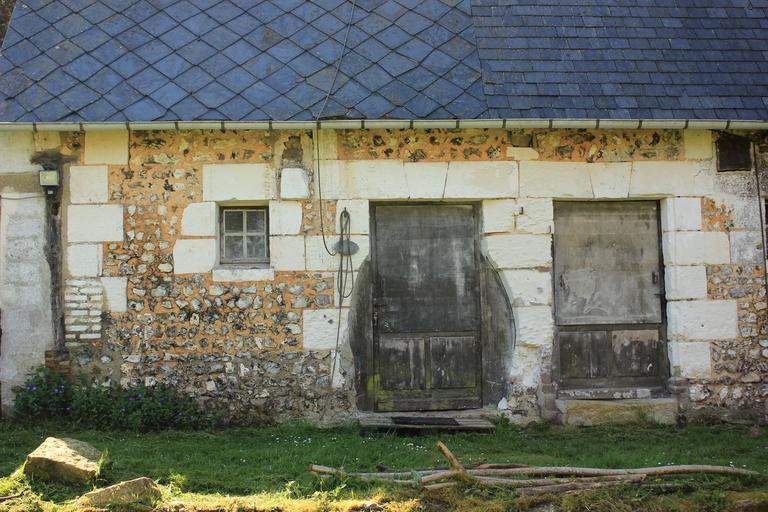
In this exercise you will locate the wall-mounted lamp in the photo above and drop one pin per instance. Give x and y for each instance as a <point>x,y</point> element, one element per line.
<point>49,180</point>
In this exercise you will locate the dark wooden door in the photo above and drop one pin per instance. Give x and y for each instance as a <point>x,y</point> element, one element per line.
<point>426,308</point>
<point>608,294</point>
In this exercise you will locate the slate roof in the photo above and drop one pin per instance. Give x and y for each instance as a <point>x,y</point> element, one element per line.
<point>144,60</point>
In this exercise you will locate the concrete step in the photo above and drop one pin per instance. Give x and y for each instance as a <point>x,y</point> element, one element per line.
<point>617,393</point>
<point>605,412</point>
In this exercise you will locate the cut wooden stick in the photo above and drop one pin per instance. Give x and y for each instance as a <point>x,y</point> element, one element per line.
<point>443,475</point>
<point>442,485</point>
<point>11,497</point>
<point>579,472</point>
<point>452,460</point>
<point>578,485</point>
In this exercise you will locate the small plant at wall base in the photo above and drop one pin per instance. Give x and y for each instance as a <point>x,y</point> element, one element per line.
<point>47,395</point>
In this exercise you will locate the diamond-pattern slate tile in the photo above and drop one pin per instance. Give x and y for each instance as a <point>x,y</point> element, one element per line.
<point>99,60</point>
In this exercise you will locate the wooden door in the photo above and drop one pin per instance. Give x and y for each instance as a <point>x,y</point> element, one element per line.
<point>608,294</point>
<point>426,308</point>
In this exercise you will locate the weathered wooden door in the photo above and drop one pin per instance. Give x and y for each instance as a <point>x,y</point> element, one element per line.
<point>608,294</point>
<point>426,308</point>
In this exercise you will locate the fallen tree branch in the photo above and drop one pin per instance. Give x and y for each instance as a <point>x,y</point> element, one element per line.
<point>578,472</point>
<point>452,460</point>
<point>11,497</point>
<point>578,486</point>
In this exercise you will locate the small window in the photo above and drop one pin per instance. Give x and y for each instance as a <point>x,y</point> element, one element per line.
<point>734,153</point>
<point>244,235</point>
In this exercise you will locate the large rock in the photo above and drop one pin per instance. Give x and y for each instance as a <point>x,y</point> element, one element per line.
<point>63,460</point>
<point>141,490</point>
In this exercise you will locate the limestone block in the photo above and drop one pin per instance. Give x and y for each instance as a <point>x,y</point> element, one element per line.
<point>320,327</point>
<point>95,223</point>
<point>319,259</point>
<point>63,460</point>
<point>610,180</point>
<point>115,294</point>
<point>681,214</point>
<point>364,179</point>
<point>479,180</point>
<point>46,140</point>
<point>685,282</point>
<point>698,144</point>
<point>88,184</point>
<point>199,219</point>
<point>426,180</point>
<point>194,256</point>
<point>238,182</point>
<point>499,215</point>
<point>235,274</point>
<point>690,359</point>
<point>518,251</point>
<point>535,325</point>
<point>660,178</point>
<point>702,320</point>
<point>84,260</point>
<point>287,252</point>
<point>585,413</point>
<point>528,287</point>
<point>285,217</point>
<point>555,179</point>
<point>746,247</point>
<point>329,144</point>
<point>16,148</point>
<point>526,366</point>
<point>359,215</point>
<point>140,490</point>
<point>294,183</point>
<point>535,216</point>
<point>695,247</point>
<point>522,153</point>
<point>106,147</point>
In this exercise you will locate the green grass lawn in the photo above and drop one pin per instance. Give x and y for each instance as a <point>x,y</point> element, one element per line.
<point>267,467</point>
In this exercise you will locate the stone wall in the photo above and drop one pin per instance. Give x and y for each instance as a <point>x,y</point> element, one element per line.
<point>147,300</point>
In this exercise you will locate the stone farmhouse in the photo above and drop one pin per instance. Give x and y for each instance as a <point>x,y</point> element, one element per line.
<point>322,209</point>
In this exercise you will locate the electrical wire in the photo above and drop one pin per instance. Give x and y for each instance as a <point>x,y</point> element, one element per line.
<point>35,196</point>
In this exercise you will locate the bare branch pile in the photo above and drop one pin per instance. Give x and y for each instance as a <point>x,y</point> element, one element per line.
<point>527,480</point>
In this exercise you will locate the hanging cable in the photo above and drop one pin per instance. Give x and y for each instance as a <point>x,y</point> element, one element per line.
<point>345,275</point>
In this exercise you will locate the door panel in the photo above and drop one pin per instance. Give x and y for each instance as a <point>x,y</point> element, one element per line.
<point>426,307</point>
<point>607,264</point>
<point>608,294</point>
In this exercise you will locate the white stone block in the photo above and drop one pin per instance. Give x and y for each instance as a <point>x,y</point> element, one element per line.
<point>47,140</point>
<point>535,325</point>
<point>238,182</point>
<point>95,223</point>
<point>320,327</point>
<point>16,148</point>
<point>554,179</point>
<point>287,252</point>
<point>195,256</point>
<point>480,180</point>
<point>106,147</point>
<point>499,215</point>
<point>522,153</point>
<point>518,251</point>
<point>698,144</point>
<point>115,294</point>
<point>426,180</point>
<point>88,184</point>
<point>224,274</point>
<point>663,178</point>
<point>681,214</point>
<point>695,247</point>
<point>84,260</point>
<point>528,287</point>
<point>702,320</point>
<point>199,219</point>
<point>285,217</point>
<point>359,215</point>
<point>364,179</point>
<point>610,180</point>
<point>526,366</point>
<point>536,216</point>
<point>294,183</point>
<point>690,359</point>
<point>685,282</point>
<point>319,259</point>
<point>329,144</point>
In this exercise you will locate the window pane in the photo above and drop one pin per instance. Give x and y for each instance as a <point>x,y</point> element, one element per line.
<point>233,221</point>
<point>233,247</point>
<point>256,246</point>
<point>256,221</point>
